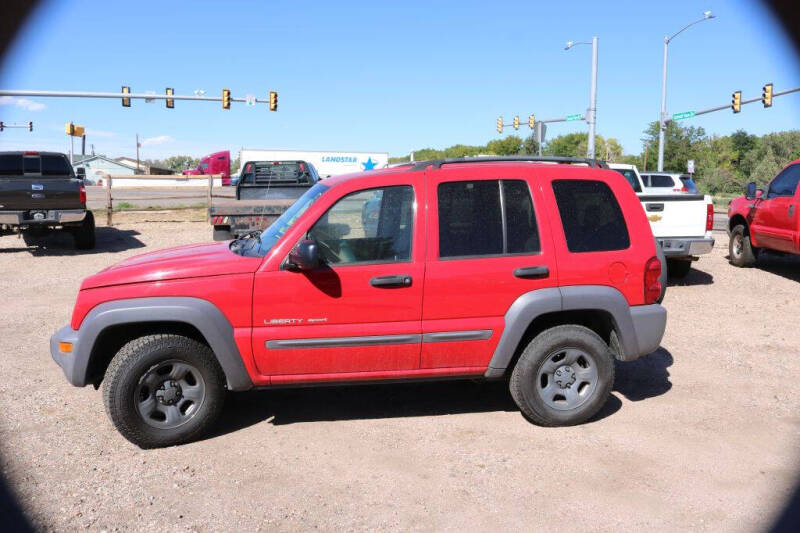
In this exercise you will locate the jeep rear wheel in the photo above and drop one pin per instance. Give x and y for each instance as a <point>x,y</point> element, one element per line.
<point>563,377</point>
<point>740,251</point>
<point>161,390</point>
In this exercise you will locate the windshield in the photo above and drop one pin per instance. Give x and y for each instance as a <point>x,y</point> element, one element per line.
<point>630,175</point>
<point>278,229</point>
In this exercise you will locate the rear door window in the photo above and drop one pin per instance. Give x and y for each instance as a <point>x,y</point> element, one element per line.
<point>480,218</point>
<point>591,216</point>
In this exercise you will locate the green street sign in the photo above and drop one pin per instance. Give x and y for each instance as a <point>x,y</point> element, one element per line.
<point>576,116</point>
<point>683,115</point>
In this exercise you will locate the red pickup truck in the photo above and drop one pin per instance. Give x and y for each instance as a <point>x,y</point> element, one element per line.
<point>766,219</point>
<point>467,268</point>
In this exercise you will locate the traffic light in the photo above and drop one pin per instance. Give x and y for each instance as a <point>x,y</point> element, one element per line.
<point>499,124</point>
<point>226,98</point>
<point>170,101</point>
<point>126,102</point>
<point>531,121</point>
<point>736,101</point>
<point>78,131</point>
<point>69,128</point>
<point>766,95</point>
<point>273,100</point>
<point>30,126</point>
<point>516,122</point>
<point>2,126</point>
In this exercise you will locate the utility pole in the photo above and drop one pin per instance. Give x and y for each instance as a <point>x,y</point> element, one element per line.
<point>137,152</point>
<point>83,146</point>
<point>646,148</point>
<point>591,115</point>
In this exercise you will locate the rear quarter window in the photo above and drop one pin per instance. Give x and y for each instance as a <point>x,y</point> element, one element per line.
<point>591,216</point>
<point>660,180</point>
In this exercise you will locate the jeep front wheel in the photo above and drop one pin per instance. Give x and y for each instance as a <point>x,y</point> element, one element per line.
<point>161,390</point>
<point>563,377</point>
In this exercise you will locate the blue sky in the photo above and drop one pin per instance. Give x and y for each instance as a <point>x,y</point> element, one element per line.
<point>380,76</point>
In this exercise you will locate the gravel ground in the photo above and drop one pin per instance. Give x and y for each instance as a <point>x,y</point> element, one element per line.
<point>701,435</point>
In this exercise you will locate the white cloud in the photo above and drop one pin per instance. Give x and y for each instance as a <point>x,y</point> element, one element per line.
<point>161,139</point>
<point>24,103</point>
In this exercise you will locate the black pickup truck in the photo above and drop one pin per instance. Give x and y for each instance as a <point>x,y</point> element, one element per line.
<point>39,192</point>
<point>265,190</point>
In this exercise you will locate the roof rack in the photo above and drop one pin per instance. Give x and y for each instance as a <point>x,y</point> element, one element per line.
<point>437,163</point>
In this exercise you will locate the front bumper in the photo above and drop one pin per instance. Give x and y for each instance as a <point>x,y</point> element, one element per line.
<point>73,364</point>
<point>51,217</point>
<point>686,246</point>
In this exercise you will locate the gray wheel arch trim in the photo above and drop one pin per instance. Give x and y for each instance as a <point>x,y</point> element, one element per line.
<point>533,304</point>
<point>201,314</point>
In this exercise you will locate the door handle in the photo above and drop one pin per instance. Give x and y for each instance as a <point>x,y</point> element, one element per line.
<point>655,207</point>
<point>388,282</point>
<point>533,272</point>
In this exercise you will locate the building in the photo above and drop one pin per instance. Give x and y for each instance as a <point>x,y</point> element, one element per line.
<point>144,167</point>
<point>95,164</point>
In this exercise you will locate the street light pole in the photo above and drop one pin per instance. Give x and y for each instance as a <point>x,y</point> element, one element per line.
<point>663,116</point>
<point>591,115</point>
<point>592,101</point>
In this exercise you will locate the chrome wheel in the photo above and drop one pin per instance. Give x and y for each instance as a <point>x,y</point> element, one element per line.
<point>737,245</point>
<point>567,379</point>
<point>169,394</point>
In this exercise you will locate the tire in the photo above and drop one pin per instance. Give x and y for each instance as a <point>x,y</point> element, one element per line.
<point>740,251</point>
<point>222,234</point>
<point>678,268</point>
<point>84,234</point>
<point>162,390</point>
<point>559,349</point>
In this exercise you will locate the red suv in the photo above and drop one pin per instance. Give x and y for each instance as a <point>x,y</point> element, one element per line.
<point>766,220</point>
<point>476,268</point>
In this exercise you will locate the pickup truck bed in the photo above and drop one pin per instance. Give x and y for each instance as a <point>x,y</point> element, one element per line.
<point>266,190</point>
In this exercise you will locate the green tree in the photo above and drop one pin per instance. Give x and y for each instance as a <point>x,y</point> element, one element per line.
<point>510,145</point>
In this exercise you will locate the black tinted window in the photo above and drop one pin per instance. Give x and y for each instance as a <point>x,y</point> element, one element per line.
<point>522,235</point>
<point>10,165</point>
<point>367,227</point>
<point>591,216</point>
<point>785,184</point>
<point>55,165</point>
<point>661,180</point>
<point>471,218</point>
<point>630,176</point>
<point>31,164</point>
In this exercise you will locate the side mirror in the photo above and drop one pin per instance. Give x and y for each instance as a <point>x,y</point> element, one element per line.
<point>759,193</point>
<point>750,190</point>
<point>304,256</point>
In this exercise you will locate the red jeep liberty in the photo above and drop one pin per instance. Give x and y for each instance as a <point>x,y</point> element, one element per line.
<point>766,220</point>
<point>491,268</point>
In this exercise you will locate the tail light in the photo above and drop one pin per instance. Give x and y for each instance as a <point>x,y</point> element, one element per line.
<point>652,280</point>
<point>82,194</point>
<point>684,189</point>
<point>710,217</point>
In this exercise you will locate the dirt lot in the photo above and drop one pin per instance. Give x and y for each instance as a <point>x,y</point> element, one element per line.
<point>701,435</point>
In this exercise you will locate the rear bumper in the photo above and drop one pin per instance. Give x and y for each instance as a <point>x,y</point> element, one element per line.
<point>649,324</point>
<point>73,364</point>
<point>51,217</point>
<point>686,246</point>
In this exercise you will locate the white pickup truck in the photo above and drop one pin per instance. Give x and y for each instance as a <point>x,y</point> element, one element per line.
<point>681,222</point>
